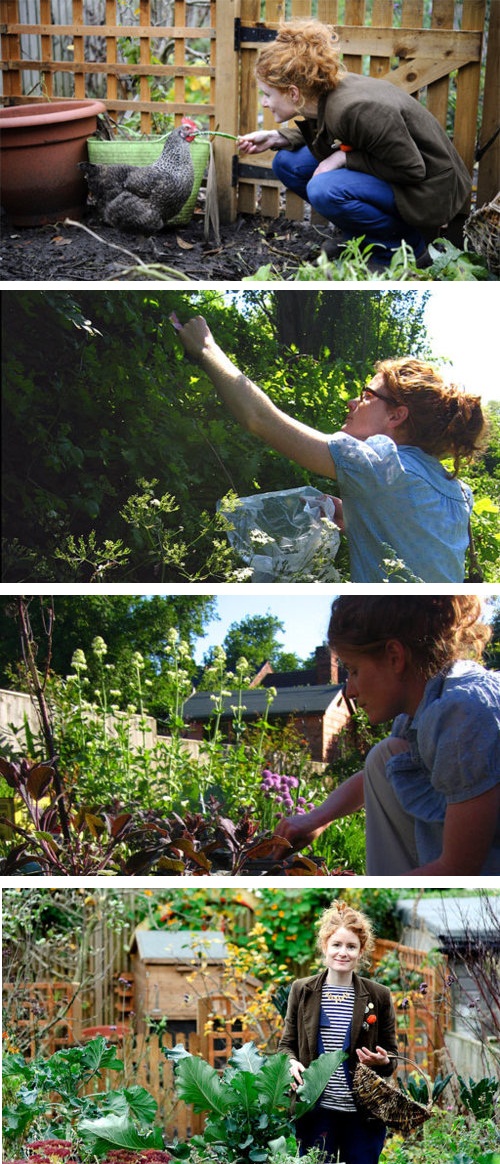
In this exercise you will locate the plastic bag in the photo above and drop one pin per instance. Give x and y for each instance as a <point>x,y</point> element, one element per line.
<point>286,536</point>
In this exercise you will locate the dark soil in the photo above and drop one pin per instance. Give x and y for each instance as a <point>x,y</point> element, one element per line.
<point>71,253</point>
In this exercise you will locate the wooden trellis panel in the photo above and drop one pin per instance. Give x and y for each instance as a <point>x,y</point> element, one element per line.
<point>419,59</point>
<point>118,45</point>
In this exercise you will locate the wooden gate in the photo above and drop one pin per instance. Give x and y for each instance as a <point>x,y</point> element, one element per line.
<point>420,59</point>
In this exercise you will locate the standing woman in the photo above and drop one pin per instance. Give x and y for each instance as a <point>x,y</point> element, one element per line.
<point>367,155</point>
<point>337,1009</point>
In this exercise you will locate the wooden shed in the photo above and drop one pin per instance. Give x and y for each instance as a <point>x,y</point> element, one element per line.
<point>172,970</point>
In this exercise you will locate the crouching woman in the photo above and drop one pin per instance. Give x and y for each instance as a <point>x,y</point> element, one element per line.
<point>337,1009</point>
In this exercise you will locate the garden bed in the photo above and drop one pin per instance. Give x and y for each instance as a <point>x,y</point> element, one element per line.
<point>246,246</point>
<point>68,252</point>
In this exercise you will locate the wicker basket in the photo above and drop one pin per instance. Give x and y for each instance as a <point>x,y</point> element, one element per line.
<point>483,232</point>
<point>380,1098</point>
<point>143,153</point>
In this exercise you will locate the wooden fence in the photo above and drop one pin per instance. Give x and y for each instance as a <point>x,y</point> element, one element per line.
<point>423,1016</point>
<point>201,62</point>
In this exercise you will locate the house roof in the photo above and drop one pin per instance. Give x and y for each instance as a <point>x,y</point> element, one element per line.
<point>454,918</point>
<point>299,678</point>
<point>179,945</point>
<point>288,701</point>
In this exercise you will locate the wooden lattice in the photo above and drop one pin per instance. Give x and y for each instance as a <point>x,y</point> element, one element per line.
<point>135,66</point>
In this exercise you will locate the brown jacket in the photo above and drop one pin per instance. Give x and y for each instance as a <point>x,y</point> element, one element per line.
<point>393,137</point>
<point>300,1036</point>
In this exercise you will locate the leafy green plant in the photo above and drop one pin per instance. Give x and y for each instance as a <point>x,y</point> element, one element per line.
<point>357,262</point>
<point>479,1095</point>
<point>417,1087</point>
<point>249,1110</point>
<point>449,1139</point>
<point>129,843</point>
<point>51,1099</point>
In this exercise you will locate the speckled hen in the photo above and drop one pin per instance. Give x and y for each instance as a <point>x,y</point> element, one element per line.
<point>145,198</point>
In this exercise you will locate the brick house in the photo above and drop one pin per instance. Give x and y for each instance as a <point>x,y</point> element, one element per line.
<point>311,699</point>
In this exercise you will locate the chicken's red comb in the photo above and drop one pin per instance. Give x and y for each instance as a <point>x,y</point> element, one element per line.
<point>192,124</point>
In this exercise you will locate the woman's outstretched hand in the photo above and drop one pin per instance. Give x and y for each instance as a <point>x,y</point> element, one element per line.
<point>260,140</point>
<point>295,832</point>
<point>195,335</point>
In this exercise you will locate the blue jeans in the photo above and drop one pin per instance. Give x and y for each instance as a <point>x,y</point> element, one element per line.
<point>357,1141</point>
<point>357,203</point>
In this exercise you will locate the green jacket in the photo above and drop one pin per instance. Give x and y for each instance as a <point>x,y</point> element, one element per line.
<point>300,1036</point>
<point>392,136</point>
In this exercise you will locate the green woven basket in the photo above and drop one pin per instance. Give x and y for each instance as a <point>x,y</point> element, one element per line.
<point>143,153</point>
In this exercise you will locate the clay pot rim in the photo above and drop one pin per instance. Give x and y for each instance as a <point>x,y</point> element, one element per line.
<point>47,113</point>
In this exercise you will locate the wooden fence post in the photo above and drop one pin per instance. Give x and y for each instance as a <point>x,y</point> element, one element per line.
<point>488,183</point>
<point>226,105</point>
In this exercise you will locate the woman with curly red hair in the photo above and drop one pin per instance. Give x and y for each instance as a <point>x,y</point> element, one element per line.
<point>338,1009</point>
<point>431,790</point>
<point>405,517</point>
<point>367,156</point>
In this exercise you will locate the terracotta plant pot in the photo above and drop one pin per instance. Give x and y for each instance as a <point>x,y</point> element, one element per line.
<point>41,146</point>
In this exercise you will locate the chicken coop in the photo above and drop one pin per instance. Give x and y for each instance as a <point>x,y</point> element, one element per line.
<point>157,61</point>
<point>172,971</point>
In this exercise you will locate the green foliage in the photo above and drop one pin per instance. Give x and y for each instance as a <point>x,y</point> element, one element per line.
<point>249,1105</point>
<point>253,638</point>
<point>479,1095</point>
<point>358,263</point>
<point>449,1139</point>
<point>50,1097</point>
<point>416,1086</point>
<point>104,768</point>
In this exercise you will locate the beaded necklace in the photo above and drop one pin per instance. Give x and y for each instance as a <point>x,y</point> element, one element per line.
<point>338,998</point>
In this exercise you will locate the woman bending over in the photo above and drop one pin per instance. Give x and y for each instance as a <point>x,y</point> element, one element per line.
<point>431,790</point>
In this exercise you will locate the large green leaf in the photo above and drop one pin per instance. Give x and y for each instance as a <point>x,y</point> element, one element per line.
<point>113,1131</point>
<point>247,1058</point>
<point>98,1053</point>
<point>241,1091</point>
<point>141,1103</point>
<point>273,1082</point>
<point>316,1077</point>
<point>199,1084</point>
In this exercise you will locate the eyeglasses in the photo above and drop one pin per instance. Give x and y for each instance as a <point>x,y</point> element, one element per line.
<point>380,395</point>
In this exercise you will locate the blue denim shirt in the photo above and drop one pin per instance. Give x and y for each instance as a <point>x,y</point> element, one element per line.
<point>400,506</point>
<point>454,753</point>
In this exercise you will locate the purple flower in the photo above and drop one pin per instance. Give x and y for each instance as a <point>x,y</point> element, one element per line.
<point>423,988</point>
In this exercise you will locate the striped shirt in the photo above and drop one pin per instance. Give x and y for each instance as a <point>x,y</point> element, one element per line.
<point>335,1019</point>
